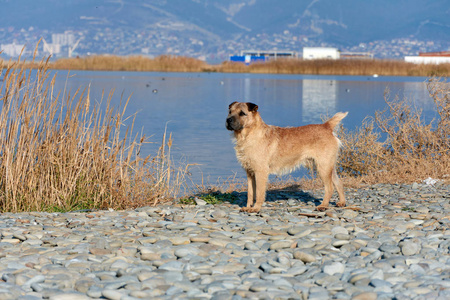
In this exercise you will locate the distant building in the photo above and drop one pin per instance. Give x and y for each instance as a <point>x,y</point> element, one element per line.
<point>439,54</point>
<point>442,57</point>
<point>12,50</point>
<point>321,53</point>
<point>249,56</point>
<point>247,59</point>
<point>51,49</point>
<point>64,39</point>
<point>356,55</point>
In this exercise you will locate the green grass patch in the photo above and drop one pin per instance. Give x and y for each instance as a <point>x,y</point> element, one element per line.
<point>211,198</point>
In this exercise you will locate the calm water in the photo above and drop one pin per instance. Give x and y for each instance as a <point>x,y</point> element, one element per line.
<point>194,106</point>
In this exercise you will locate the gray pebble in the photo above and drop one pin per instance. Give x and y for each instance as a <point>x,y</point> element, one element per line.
<point>334,268</point>
<point>410,247</point>
<point>304,256</point>
<point>69,296</point>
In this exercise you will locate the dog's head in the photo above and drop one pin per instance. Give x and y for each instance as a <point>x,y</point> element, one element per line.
<point>241,115</point>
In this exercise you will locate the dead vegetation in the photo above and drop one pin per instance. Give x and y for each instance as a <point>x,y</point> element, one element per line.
<point>354,67</point>
<point>397,145</point>
<point>60,151</point>
<point>163,63</point>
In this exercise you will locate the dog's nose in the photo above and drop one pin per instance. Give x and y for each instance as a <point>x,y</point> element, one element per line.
<point>229,120</point>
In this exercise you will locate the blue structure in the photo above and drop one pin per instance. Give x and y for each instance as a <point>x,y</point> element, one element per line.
<point>248,57</point>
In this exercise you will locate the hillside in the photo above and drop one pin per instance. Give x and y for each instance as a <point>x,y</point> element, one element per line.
<point>215,26</point>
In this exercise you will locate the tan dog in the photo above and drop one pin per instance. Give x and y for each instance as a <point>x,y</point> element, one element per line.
<point>265,149</point>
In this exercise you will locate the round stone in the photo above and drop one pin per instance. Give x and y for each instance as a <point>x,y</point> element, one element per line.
<point>304,256</point>
<point>334,268</point>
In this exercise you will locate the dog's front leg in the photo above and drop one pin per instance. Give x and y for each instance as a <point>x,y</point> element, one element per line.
<point>251,182</point>
<point>258,187</point>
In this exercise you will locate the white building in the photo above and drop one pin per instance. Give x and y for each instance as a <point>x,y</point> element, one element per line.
<point>320,53</point>
<point>64,39</point>
<point>428,59</point>
<point>52,49</point>
<point>12,50</point>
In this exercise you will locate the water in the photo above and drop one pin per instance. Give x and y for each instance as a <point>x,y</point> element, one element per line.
<point>193,106</point>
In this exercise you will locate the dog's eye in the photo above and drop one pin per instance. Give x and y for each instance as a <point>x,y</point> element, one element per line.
<point>242,114</point>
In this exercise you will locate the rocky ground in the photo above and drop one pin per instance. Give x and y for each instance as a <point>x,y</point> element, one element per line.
<point>392,241</point>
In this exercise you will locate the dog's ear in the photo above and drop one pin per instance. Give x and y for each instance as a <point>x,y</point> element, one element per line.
<point>229,106</point>
<point>252,107</point>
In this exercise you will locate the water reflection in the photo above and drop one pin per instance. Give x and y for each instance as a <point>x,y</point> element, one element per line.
<point>247,90</point>
<point>318,99</point>
<point>417,93</point>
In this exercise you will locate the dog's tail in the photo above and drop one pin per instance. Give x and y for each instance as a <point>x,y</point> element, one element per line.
<point>336,119</point>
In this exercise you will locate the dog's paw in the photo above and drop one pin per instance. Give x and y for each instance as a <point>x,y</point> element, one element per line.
<point>322,207</point>
<point>340,204</point>
<point>250,209</point>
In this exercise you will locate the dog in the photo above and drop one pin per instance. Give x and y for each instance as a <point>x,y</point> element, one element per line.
<point>265,149</point>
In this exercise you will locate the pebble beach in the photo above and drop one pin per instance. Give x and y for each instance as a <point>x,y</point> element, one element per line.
<point>390,242</point>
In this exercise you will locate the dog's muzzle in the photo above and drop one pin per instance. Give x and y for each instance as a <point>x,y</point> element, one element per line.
<point>233,124</point>
<point>229,124</point>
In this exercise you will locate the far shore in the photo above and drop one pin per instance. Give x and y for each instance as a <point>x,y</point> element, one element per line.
<point>170,63</point>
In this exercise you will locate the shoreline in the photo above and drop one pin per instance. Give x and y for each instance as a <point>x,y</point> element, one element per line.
<point>396,244</point>
<point>170,63</point>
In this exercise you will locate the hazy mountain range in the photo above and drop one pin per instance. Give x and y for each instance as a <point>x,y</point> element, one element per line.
<point>208,26</point>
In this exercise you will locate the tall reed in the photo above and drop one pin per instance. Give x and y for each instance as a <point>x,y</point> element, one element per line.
<point>165,63</point>
<point>61,151</point>
<point>353,67</point>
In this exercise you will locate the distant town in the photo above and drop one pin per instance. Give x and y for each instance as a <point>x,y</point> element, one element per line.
<point>152,43</point>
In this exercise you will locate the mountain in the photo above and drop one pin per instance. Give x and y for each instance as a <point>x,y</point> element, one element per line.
<point>208,27</point>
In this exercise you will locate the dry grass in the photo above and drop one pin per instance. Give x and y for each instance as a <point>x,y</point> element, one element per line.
<point>412,149</point>
<point>281,66</point>
<point>340,67</point>
<point>59,151</point>
<point>164,63</point>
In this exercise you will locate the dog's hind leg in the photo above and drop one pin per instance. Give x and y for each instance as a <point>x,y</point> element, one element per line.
<point>261,185</point>
<point>326,174</point>
<point>340,189</point>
